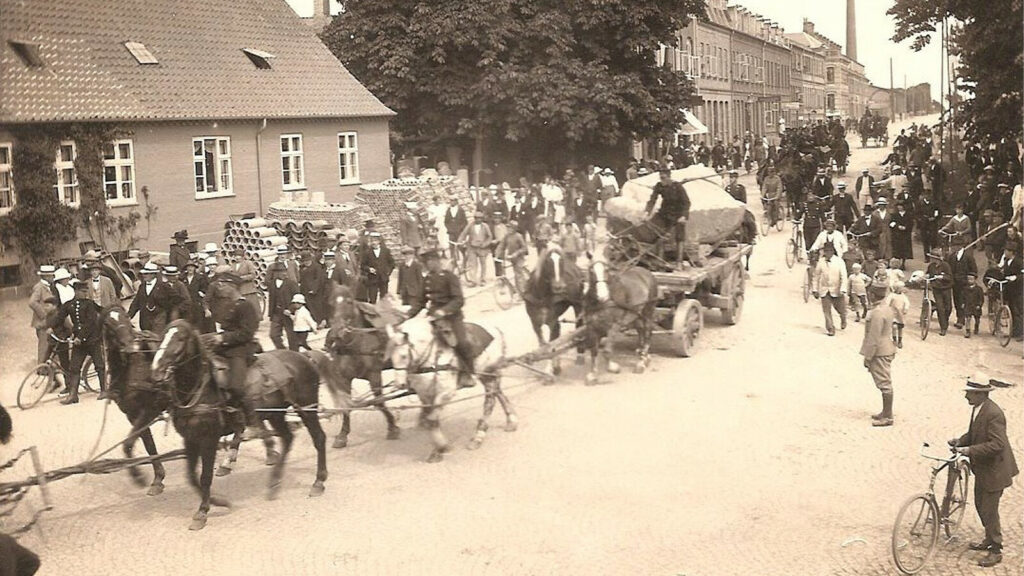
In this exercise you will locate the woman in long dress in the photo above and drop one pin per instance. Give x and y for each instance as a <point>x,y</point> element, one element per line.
<point>436,212</point>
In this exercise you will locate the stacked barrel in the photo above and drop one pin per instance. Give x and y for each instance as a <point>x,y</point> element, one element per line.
<point>258,238</point>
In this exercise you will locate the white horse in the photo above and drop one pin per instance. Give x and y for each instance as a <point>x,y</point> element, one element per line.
<point>430,367</point>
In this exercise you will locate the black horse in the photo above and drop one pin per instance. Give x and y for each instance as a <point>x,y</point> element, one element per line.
<point>356,350</point>
<point>555,286</point>
<point>283,379</point>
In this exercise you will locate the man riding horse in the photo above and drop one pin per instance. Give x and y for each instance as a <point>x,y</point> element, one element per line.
<point>236,344</point>
<point>442,297</point>
<point>673,212</point>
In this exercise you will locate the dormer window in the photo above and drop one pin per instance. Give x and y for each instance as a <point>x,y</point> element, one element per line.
<point>141,53</point>
<point>259,58</point>
<point>28,52</point>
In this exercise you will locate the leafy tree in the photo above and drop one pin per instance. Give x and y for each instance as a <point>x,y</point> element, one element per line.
<point>568,74</point>
<point>987,36</point>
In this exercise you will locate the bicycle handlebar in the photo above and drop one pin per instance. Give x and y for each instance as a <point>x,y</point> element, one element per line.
<point>955,455</point>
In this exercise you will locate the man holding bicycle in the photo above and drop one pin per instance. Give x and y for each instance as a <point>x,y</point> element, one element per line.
<point>992,461</point>
<point>771,193</point>
<point>85,330</point>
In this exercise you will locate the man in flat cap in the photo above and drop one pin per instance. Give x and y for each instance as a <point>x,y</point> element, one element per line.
<point>878,350</point>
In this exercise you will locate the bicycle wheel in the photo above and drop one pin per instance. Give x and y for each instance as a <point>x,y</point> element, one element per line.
<point>915,533</point>
<point>926,318</point>
<point>790,253</point>
<point>954,503</point>
<point>35,385</point>
<point>766,223</point>
<point>88,378</point>
<point>807,286</point>
<point>504,293</point>
<point>780,222</point>
<point>1004,326</point>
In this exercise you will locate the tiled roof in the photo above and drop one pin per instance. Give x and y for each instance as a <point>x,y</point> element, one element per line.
<point>804,39</point>
<point>202,73</point>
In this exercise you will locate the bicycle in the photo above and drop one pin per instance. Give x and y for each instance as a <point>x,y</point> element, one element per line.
<point>42,379</point>
<point>808,282</point>
<point>999,320</point>
<point>947,242</point>
<point>506,291</point>
<point>927,308</point>
<point>795,245</point>
<point>771,216</point>
<point>926,515</point>
<point>457,260</point>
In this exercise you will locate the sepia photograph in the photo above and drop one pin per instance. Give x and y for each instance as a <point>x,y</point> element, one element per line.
<point>511,287</point>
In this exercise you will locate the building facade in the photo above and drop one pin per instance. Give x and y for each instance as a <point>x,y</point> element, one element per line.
<point>249,106</point>
<point>808,77</point>
<point>846,88</point>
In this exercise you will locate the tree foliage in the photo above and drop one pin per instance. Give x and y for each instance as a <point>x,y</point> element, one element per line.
<point>988,38</point>
<point>565,72</point>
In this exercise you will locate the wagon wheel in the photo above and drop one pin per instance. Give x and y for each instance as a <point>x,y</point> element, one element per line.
<point>734,290</point>
<point>686,326</point>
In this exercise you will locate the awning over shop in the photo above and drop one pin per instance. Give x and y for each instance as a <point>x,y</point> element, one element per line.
<point>691,125</point>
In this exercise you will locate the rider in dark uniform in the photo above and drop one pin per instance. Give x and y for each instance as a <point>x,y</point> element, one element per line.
<point>442,297</point>
<point>735,189</point>
<point>674,210</point>
<point>85,329</point>
<point>237,344</point>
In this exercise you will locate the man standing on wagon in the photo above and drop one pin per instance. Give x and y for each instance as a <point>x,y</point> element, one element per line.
<point>673,212</point>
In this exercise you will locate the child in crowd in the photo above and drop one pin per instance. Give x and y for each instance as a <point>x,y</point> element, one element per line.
<point>858,291</point>
<point>302,322</point>
<point>974,299</point>
<point>900,307</point>
<point>881,275</point>
<point>870,264</point>
<point>852,256</point>
<point>590,234</point>
<point>895,273</point>
<point>570,240</point>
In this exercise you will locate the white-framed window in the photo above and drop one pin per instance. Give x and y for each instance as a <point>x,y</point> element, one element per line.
<point>7,198</point>
<point>211,160</point>
<point>67,179</point>
<point>348,158</point>
<point>292,174</point>
<point>119,173</point>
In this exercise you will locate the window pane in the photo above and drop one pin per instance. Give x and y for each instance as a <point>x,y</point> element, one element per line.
<point>197,147</point>
<point>109,174</point>
<point>68,176</point>
<point>126,174</point>
<point>284,144</point>
<point>200,185</point>
<point>5,180</point>
<point>126,190</point>
<point>225,174</point>
<point>5,155</point>
<point>199,170</point>
<point>296,143</point>
<point>111,189</point>
<point>211,184</point>
<point>125,151</point>
<point>225,147</point>
<point>67,153</point>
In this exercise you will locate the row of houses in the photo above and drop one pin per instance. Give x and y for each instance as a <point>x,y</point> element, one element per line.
<point>222,107</point>
<point>751,75</point>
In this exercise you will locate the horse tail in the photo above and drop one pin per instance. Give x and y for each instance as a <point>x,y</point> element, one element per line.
<point>321,361</point>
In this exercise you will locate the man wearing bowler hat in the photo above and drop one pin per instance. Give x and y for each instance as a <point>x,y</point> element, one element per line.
<point>179,255</point>
<point>987,445</point>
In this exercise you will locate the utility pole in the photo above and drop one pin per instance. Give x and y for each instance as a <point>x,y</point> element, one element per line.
<point>892,95</point>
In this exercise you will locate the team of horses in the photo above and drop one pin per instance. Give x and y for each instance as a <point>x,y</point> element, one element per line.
<point>179,373</point>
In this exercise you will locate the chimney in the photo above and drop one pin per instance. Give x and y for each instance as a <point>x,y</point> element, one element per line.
<point>851,30</point>
<point>325,8</point>
<point>808,26</point>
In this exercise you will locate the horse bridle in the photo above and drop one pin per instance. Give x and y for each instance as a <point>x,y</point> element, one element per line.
<point>204,370</point>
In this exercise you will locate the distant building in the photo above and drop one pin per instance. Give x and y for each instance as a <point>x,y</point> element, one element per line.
<point>808,75</point>
<point>226,105</point>
<point>846,86</point>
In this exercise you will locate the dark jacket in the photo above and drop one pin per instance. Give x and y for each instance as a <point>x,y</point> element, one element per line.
<point>960,268</point>
<point>381,266</point>
<point>454,224</point>
<point>991,457</point>
<point>278,299</point>
<point>674,200</point>
<point>239,330</point>
<point>153,308</point>
<point>442,295</point>
<point>85,319</point>
<point>410,281</point>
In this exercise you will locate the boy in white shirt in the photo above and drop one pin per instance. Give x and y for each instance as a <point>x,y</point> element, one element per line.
<point>302,322</point>
<point>858,290</point>
<point>900,307</point>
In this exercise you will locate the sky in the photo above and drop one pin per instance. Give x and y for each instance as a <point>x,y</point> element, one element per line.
<point>874,28</point>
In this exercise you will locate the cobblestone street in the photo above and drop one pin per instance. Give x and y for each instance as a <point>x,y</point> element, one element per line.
<point>754,457</point>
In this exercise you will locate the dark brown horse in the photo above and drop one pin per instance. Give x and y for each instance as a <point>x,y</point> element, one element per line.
<point>283,379</point>
<point>555,285</point>
<point>129,354</point>
<point>356,350</point>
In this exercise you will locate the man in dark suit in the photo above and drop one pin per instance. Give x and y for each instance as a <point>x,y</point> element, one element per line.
<point>454,219</point>
<point>992,461</point>
<point>344,265</point>
<point>410,277</point>
<point>179,254</point>
<point>821,186</point>
<point>196,284</point>
<point>1012,271</point>
<point>237,344</point>
<point>312,281</point>
<point>846,210</point>
<point>868,228</point>
<point>179,300</point>
<point>280,289</point>
<point>375,266</point>
<point>152,300</point>
<point>961,263</point>
<point>85,329</point>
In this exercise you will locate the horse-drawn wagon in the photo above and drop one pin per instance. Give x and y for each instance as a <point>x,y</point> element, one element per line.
<point>874,127</point>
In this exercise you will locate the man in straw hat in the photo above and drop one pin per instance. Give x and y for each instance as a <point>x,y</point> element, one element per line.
<point>179,302</point>
<point>987,445</point>
<point>39,301</point>
<point>150,300</point>
<point>878,350</point>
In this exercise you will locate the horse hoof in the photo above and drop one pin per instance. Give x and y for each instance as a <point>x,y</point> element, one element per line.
<point>435,457</point>
<point>639,368</point>
<point>548,380</point>
<point>273,457</point>
<point>614,368</point>
<point>155,490</point>
<point>579,360</point>
<point>474,443</point>
<point>219,501</point>
<point>556,370</point>
<point>340,442</point>
<point>590,380</point>
<point>198,522</point>
<point>222,471</point>
<point>394,433</point>
<point>511,426</point>
<point>317,489</point>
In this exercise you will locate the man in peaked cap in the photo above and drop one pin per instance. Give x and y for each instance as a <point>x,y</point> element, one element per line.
<point>85,328</point>
<point>878,350</point>
<point>987,445</point>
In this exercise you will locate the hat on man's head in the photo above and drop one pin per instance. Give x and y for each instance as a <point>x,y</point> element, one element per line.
<point>734,172</point>
<point>61,274</point>
<point>841,185</point>
<point>607,172</point>
<point>864,171</point>
<point>978,382</point>
<point>210,247</point>
<point>170,270</point>
<point>369,223</point>
<point>180,235</point>
<point>283,249</point>
<point>878,292</point>
<point>821,169</point>
<point>1002,185</point>
<point>990,168</point>
<point>46,269</point>
<point>881,201</point>
<point>431,254</point>
<point>329,253</point>
<point>643,171</point>
<point>150,268</point>
<point>192,263</point>
<point>492,187</point>
<point>375,235</point>
<point>408,250</point>
<point>298,299</point>
<point>211,261</point>
<point>478,214</point>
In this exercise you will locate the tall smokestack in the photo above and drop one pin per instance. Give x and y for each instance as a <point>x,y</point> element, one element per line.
<point>851,29</point>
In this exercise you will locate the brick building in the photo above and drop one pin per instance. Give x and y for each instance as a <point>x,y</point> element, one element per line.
<point>847,89</point>
<point>808,75</point>
<point>225,106</point>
